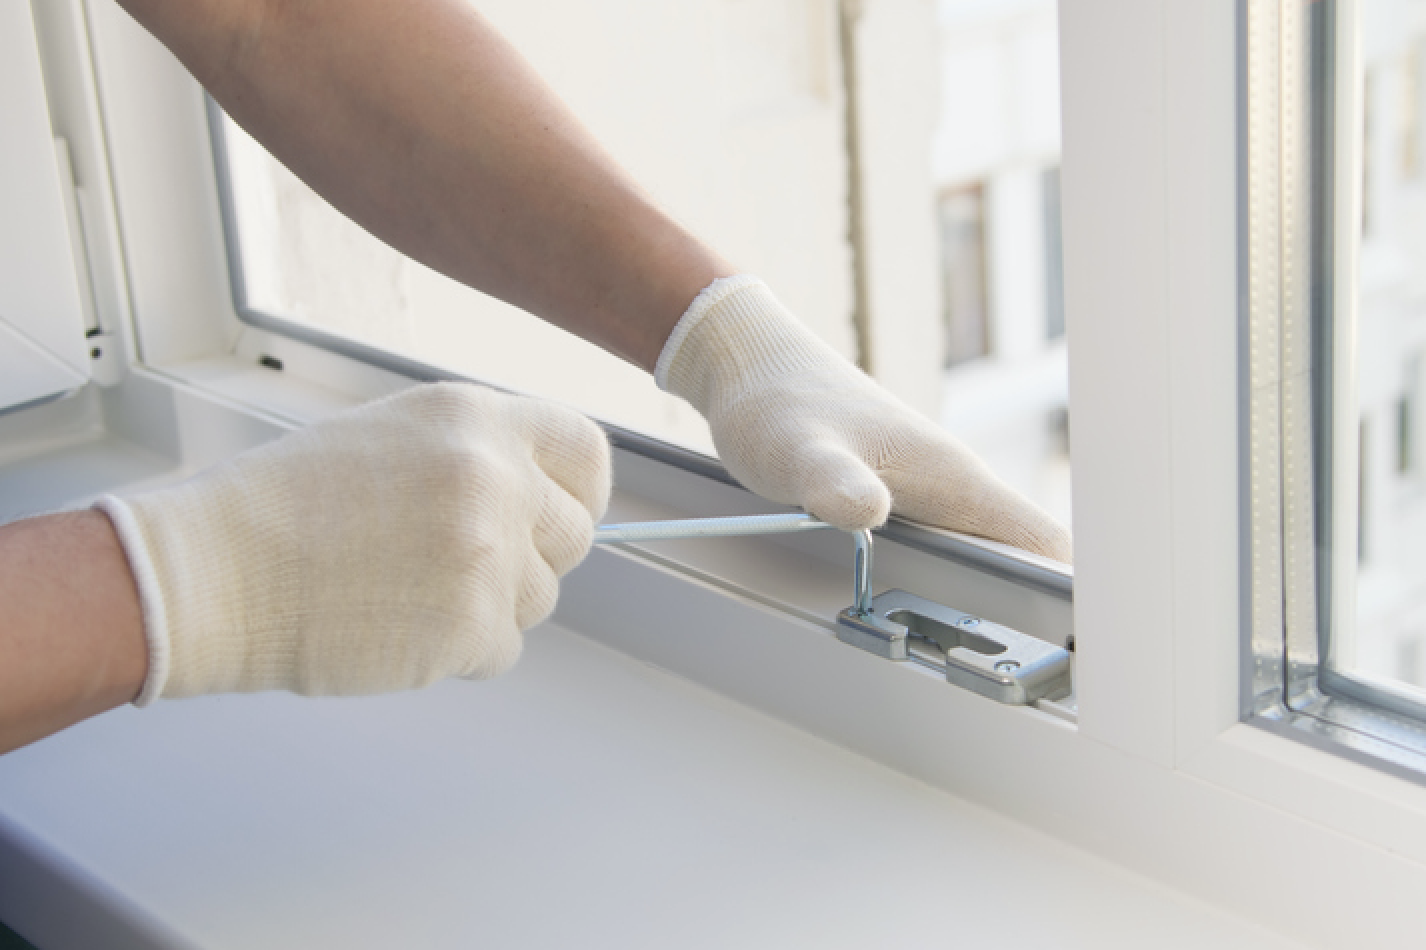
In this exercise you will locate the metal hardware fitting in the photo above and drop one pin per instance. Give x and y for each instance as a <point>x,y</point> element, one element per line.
<point>985,657</point>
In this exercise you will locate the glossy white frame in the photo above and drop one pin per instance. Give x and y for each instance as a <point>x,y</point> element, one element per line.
<point>1159,774</point>
<point>43,353</point>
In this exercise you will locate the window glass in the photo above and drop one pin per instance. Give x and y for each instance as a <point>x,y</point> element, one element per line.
<point>1336,229</point>
<point>996,161</point>
<point>1389,630</point>
<point>734,114</point>
<point>963,297</point>
<point>1054,256</point>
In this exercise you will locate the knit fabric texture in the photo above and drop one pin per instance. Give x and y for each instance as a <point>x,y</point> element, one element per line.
<point>797,423</point>
<point>387,547</point>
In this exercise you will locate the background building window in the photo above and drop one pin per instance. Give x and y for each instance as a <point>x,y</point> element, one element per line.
<point>964,304</point>
<point>1054,255</point>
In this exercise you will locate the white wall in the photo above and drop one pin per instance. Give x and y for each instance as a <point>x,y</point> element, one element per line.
<point>899,109</point>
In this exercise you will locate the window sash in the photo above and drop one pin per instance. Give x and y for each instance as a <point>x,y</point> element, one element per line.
<point>1303,169</point>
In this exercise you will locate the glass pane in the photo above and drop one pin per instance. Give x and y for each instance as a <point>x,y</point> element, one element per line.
<point>1391,330</point>
<point>963,297</point>
<point>734,114</point>
<point>1373,334</point>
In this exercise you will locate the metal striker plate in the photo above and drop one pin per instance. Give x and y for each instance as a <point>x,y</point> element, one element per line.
<point>985,657</point>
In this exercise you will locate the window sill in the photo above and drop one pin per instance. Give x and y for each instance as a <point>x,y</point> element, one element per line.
<point>584,799</point>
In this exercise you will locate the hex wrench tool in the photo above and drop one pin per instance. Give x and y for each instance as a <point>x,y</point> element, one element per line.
<point>742,526</point>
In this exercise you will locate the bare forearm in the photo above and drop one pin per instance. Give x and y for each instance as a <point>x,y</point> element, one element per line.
<point>71,634</point>
<point>417,120</point>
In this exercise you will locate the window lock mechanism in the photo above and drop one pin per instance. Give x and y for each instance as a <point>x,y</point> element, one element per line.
<point>980,655</point>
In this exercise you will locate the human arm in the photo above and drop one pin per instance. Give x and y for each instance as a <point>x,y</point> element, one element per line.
<point>423,125</point>
<point>71,634</point>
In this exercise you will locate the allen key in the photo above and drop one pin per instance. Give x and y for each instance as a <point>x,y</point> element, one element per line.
<point>743,526</point>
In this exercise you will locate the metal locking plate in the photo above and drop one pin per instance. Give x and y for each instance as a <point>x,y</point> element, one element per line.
<point>986,657</point>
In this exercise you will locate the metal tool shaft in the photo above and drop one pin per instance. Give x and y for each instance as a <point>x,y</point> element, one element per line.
<point>707,528</point>
<point>741,526</point>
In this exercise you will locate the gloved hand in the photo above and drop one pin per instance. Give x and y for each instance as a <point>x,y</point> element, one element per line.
<point>385,548</point>
<point>798,424</point>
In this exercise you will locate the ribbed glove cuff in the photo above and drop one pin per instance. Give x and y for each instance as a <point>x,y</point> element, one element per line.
<point>735,330</point>
<point>155,617</point>
<point>213,565</point>
<point>707,301</point>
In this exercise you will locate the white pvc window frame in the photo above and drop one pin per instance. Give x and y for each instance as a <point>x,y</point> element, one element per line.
<point>1159,773</point>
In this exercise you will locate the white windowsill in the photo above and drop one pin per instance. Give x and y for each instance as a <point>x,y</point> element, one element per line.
<point>580,780</point>
<point>585,799</point>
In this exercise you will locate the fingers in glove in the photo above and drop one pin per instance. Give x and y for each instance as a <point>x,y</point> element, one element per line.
<point>539,591</point>
<point>498,637</point>
<point>840,488</point>
<point>458,406</point>
<point>494,648</point>
<point>571,449</point>
<point>563,529</point>
<point>946,485</point>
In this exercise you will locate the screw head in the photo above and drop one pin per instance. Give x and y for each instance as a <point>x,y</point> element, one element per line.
<point>1007,666</point>
<point>968,622</point>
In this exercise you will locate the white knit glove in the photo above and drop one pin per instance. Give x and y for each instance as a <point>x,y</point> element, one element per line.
<point>798,424</point>
<point>385,548</point>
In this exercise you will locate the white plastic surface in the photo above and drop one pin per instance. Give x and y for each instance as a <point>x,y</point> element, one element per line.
<point>29,373</point>
<point>585,800</point>
<point>40,307</point>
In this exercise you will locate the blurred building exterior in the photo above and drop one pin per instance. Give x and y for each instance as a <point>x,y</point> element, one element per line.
<point>995,162</point>
<point>1390,636</point>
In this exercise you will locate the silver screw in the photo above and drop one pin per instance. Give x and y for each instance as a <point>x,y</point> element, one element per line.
<point>1007,666</point>
<point>968,621</point>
